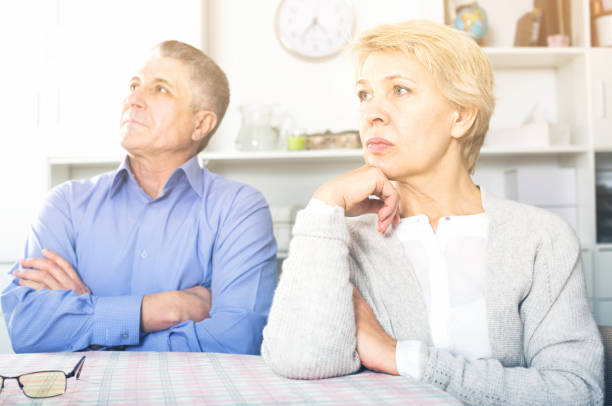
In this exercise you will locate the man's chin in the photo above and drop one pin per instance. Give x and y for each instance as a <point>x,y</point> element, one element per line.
<point>130,144</point>
<point>131,136</point>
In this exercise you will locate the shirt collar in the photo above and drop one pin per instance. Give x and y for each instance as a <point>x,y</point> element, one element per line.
<point>191,169</point>
<point>123,171</point>
<point>193,173</point>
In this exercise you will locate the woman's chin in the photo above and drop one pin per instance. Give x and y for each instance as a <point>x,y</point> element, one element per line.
<point>386,164</point>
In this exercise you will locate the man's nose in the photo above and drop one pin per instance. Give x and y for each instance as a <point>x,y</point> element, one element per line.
<point>135,99</point>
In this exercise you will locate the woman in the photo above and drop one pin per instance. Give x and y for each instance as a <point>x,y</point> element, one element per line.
<point>480,296</point>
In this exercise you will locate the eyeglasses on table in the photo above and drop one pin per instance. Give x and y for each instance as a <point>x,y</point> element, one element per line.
<point>44,384</point>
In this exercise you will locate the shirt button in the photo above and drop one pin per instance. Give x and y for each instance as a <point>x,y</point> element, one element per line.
<point>447,218</point>
<point>144,254</point>
<point>124,336</point>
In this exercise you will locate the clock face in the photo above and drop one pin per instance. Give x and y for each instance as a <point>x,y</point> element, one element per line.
<point>314,29</point>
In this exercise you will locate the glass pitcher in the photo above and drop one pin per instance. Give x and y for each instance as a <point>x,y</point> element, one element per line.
<point>256,132</point>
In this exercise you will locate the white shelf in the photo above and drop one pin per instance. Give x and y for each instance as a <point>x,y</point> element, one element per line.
<point>281,156</point>
<point>85,160</point>
<point>357,154</point>
<point>552,150</point>
<point>313,155</point>
<point>531,57</point>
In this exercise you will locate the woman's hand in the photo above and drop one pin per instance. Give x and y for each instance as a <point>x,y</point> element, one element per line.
<point>376,348</point>
<point>352,192</point>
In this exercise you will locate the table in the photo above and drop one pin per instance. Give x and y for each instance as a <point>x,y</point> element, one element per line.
<point>132,378</point>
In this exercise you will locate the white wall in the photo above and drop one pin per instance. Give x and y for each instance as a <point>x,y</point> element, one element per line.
<point>320,95</point>
<point>94,48</point>
<point>22,158</point>
<point>503,16</point>
<point>5,342</point>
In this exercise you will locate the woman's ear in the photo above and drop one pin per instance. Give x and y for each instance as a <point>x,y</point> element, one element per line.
<point>205,121</point>
<point>463,119</point>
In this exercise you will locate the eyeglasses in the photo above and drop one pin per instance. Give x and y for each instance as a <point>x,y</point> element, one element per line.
<point>45,384</point>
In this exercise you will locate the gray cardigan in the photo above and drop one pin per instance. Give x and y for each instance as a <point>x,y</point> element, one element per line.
<point>545,344</point>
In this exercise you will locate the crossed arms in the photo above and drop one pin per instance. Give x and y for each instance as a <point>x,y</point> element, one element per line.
<point>159,311</point>
<point>49,307</point>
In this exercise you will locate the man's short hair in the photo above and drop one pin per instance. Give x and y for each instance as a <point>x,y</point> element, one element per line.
<point>461,69</point>
<point>210,85</point>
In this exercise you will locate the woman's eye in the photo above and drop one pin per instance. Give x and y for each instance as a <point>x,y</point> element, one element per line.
<point>363,95</point>
<point>132,87</point>
<point>399,90</point>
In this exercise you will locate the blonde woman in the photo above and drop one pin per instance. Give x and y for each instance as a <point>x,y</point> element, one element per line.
<point>435,280</point>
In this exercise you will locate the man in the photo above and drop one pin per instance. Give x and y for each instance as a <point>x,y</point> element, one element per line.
<point>159,255</point>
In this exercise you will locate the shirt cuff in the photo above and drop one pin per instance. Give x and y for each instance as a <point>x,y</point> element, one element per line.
<point>316,206</point>
<point>320,220</point>
<point>117,320</point>
<point>409,358</point>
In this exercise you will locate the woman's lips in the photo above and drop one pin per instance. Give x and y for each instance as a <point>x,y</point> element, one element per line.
<point>377,144</point>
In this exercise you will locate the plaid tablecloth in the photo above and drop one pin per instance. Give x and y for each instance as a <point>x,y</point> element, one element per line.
<point>146,378</point>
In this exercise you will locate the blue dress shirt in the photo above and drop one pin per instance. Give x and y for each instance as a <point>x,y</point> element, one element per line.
<point>202,230</point>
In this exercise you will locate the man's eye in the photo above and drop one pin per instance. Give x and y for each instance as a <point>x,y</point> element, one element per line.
<point>399,90</point>
<point>363,95</point>
<point>162,89</point>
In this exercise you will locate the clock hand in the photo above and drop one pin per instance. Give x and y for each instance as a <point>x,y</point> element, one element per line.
<point>320,27</point>
<point>310,27</point>
<point>316,19</point>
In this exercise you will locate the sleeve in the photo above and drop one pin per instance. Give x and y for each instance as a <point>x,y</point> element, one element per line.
<point>311,329</point>
<point>409,358</point>
<point>243,282</point>
<point>61,320</point>
<point>561,344</point>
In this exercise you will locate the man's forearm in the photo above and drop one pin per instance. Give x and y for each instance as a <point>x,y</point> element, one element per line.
<point>233,330</point>
<point>59,320</point>
<point>163,310</point>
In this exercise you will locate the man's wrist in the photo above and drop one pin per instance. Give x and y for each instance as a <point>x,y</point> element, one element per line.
<point>160,311</point>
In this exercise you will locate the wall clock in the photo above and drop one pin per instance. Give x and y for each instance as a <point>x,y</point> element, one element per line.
<point>314,29</point>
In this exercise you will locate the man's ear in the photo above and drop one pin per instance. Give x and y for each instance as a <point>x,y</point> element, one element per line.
<point>205,121</point>
<point>463,118</point>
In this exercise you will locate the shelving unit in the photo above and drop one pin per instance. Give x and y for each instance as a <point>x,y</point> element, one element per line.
<point>281,156</point>
<point>532,57</point>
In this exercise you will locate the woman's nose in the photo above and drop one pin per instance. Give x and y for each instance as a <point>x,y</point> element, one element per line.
<point>376,114</point>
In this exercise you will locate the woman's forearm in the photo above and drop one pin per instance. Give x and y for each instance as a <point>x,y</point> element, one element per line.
<point>311,328</point>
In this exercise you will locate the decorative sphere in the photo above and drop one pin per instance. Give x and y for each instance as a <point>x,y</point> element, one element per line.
<point>473,20</point>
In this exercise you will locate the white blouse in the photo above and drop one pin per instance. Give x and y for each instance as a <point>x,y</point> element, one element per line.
<point>450,266</point>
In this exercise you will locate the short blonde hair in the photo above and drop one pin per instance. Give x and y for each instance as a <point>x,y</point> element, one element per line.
<point>459,66</point>
<point>210,85</point>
